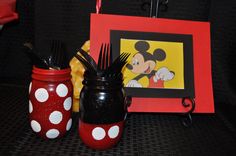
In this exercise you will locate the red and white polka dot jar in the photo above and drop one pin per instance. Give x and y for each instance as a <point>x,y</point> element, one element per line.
<point>50,102</point>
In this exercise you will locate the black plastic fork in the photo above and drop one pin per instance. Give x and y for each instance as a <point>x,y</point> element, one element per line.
<point>117,65</point>
<point>56,60</point>
<point>104,60</point>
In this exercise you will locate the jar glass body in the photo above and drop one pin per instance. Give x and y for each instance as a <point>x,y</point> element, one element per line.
<point>102,113</point>
<point>50,102</point>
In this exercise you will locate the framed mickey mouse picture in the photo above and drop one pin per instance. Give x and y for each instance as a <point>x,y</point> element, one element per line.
<point>161,65</point>
<point>170,60</point>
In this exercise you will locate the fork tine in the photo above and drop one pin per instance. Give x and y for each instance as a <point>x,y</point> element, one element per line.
<point>110,60</point>
<point>116,62</point>
<point>107,56</point>
<point>59,53</point>
<point>104,57</point>
<point>125,57</point>
<point>118,58</point>
<point>100,58</point>
<point>85,63</point>
<point>88,58</point>
<point>56,53</point>
<point>53,53</point>
<point>122,56</point>
<point>122,61</point>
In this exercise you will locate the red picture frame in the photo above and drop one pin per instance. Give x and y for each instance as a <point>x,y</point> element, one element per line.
<point>102,25</point>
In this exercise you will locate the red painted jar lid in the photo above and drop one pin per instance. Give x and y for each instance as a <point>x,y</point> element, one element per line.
<point>51,75</point>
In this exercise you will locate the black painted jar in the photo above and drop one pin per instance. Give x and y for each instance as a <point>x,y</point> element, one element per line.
<point>103,108</point>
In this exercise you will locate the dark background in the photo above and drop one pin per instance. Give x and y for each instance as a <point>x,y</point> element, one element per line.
<point>68,20</point>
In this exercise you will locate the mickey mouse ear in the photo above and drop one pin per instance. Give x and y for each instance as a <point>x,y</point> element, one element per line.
<point>159,54</point>
<point>142,46</point>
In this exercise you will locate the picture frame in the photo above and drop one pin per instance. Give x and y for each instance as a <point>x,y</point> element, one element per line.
<point>101,28</point>
<point>180,44</point>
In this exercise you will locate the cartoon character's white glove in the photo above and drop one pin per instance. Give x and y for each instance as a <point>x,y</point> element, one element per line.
<point>134,83</point>
<point>163,74</point>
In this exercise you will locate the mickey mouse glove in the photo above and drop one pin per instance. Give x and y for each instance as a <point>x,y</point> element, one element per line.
<point>134,83</point>
<point>163,74</point>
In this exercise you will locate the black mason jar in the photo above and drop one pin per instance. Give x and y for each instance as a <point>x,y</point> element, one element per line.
<point>103,108</point>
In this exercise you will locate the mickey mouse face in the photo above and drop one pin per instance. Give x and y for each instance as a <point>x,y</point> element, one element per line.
<point>139,65</point>
<point>144,62</point>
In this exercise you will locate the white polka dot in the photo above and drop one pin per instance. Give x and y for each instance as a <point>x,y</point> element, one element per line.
<point>55,117</point>
<point>41,95</point>
<point>67,103</point>
<point>52,133</point>
<point>35,126</point>
<point>113,132</point>
<point>68,125</point>
<point>98,133</point>
<point>62,90</point>
<point>30,107</point>
<point>30,85</point>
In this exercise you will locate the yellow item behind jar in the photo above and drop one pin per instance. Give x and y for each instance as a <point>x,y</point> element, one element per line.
<point>77,71</point>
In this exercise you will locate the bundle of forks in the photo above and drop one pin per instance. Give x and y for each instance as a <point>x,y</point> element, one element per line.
<point>56,60</point>
<point>105,66</point>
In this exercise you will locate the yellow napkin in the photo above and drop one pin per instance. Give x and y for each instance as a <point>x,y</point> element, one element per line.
<point>77,71</point>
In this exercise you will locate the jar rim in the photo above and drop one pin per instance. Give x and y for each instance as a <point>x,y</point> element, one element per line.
<point>51,75</point>
<point>42,71</point>
<point>102,78</point>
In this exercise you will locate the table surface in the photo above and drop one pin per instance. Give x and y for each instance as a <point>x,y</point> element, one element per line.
<point>144,134</point>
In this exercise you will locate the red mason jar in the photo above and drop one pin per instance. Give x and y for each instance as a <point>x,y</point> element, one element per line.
<point>50,102</point>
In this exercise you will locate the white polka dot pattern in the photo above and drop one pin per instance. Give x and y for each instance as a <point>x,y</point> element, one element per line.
<point>55,117</point>
<point>52,133</point>
<point>67,103</point>
<point>68,125</point>
<point>98,133</point>
<point>62,90</point>
<point>35,126</point>
<point>41,95</point>
<point>30,107</point>
<point>113,132</point>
